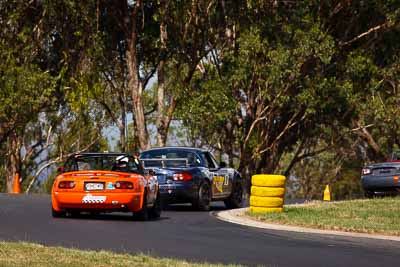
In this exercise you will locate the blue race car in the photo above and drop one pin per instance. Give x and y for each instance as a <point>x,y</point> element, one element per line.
<point>192,175</point>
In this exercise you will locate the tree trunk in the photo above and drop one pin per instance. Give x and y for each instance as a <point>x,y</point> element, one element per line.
<point>13,161</point>
<point>138,113</point>
<point>163,126</point>
<point>366,135</point>
<point>122,138</point>
<point>135,83</point>
<point>164,116</point>
<point>247,166</point>
<point>228,142</point>
<point>161,130</point>
<point>122,126</point>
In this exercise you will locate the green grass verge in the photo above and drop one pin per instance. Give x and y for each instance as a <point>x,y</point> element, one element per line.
<point>26,254</point>
<point>373,216</point>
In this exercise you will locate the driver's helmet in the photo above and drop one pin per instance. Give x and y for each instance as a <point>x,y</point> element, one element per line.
<point>122,161</point>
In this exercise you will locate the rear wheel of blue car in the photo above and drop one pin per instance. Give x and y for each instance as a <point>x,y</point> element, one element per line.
<point>203,200</point>
<point>235,200</point>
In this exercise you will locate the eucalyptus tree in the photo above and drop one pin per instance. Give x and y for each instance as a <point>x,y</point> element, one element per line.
<point>25,89</point>
<point>187,30</point>
<point>301,73</point>
<point>44,56</point>
<point>166,38</point>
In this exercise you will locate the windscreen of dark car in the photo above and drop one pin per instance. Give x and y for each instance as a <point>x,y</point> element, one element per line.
<point>170,158</point>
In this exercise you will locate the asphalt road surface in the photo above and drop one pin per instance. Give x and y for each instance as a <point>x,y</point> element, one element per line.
<point>187,234</point>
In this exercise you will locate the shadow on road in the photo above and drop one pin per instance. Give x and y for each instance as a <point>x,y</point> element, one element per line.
<point>122,216</point>
<point>117,216</point>
<point>189,207</point>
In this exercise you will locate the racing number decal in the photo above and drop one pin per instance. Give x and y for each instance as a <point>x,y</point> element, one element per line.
<point>226,179</point>
<point>220,182</point>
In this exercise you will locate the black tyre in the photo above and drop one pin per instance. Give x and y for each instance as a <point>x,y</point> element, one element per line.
<point>155,211</point>
<point>164,204</point>
<point>94,213</point>
<point>369,194</point>
<point>203,200</point>
<point>75,213</point>
<point>57,214</point>
<point>143,214</point>
<point>235,200</point>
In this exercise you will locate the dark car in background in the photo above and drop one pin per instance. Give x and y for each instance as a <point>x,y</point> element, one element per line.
<point>192,175</point>
<point>382,178</point>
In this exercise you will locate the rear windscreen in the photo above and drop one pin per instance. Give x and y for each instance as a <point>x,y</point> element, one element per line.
<point>102,163</point>
<point>170,158</point>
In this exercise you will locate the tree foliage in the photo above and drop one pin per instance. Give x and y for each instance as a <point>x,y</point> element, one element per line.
<point>306,88</point>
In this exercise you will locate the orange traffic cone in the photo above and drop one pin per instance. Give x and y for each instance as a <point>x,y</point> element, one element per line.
<point>16,185</point>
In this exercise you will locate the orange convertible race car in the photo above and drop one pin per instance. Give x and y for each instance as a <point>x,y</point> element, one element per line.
<point>105,182</point>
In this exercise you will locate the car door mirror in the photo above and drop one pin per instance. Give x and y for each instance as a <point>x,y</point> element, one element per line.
<point>223,164</point>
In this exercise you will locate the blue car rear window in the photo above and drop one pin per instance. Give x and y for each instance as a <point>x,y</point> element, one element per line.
<point>170,158</point>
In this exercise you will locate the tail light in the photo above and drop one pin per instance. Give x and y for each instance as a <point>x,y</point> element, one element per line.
<point>366,171</point>
<point>66,185</point>
<point>124,185</point>
<point>185,176</point>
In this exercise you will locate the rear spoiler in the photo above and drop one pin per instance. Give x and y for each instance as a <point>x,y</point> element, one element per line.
<point>165,163</point>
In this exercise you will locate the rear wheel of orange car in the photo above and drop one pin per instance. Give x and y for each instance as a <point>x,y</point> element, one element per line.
<point>75,213</point>
<point>155,211</point>
<point>57,214</point>
<point>143,214</point>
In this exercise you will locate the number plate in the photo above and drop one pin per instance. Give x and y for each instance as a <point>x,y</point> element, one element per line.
<point>94,186</point>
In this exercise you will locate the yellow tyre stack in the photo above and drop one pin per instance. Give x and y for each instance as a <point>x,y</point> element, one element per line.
<point>267,193</point>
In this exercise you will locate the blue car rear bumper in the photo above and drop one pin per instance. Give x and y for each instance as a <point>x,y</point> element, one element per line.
<point>178,192</point>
